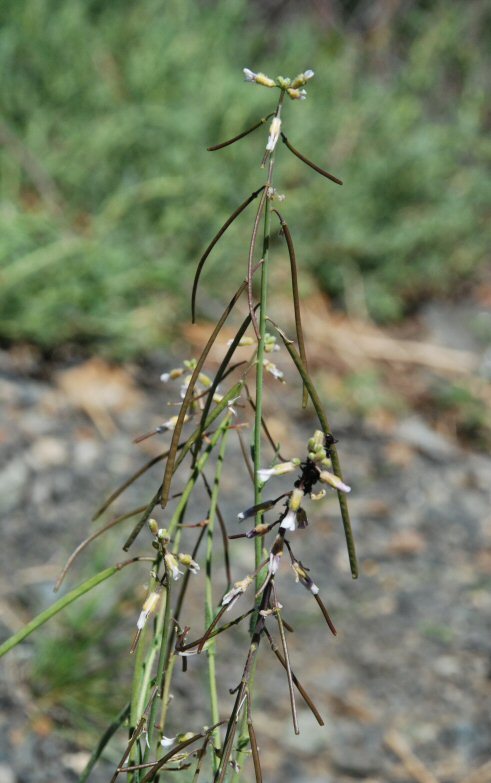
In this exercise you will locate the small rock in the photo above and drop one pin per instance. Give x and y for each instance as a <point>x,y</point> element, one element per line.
<point>356,749</point>
<point>48,452</point>
<point>416,432</point>
<point>6,774</point>
<point>406,542</point>
<point>13,480</point>
<point>75,761</point>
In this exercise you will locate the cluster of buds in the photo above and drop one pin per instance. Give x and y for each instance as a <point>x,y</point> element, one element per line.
<point>293,87</point>
<point>315,469</point>
<point>172,561</point>
<point>203,383</point>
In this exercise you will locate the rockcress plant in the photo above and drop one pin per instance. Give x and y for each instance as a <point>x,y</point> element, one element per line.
<point>161,638</point>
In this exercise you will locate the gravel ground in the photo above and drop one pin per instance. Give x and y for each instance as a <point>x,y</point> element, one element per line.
<point>404,688</point>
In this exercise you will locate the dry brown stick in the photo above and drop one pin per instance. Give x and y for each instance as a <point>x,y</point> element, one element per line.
<point>413,766</point>
<point>253,741</point>
<point>295,679</point>
<point>480,775</point>
<point>287,660</point>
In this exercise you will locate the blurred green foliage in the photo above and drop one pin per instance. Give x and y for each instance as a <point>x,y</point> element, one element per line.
<point>107,194</point>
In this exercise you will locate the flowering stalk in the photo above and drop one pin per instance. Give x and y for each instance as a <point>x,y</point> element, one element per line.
<point>198,430</point>
<point>260,347</point>
<point>211,649</point>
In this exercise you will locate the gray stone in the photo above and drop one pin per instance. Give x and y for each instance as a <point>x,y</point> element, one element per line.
<point>416,432</point>
<point>356,748</point>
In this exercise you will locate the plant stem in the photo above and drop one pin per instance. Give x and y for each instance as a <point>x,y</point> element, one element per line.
<point>161,662</point>
<point>243,733</point>
<point>209,604</point>
<point>260,348</point>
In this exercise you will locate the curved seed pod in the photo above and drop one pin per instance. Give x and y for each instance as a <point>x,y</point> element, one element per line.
<point>296,299</point>
<point>343,503</point>
<point>91,538</point>
<point>219,376</point>
<point>309,162</point>
<point>212,244</point>
<point>169,466</point>
<point>250,260</point>
<point>240,135</point>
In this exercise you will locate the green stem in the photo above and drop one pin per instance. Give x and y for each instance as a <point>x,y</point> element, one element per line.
<point>243,733</point>
<point>161,662</point>
<point>198,468</point>
<point>209,604</point>
<point>260,349</point>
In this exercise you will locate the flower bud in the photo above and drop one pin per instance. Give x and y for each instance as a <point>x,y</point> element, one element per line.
<point>274,133</point>
<point>297,95</point>
<point>154,527</point>
<point>334,481</point>
<point>278,470</point>
<point>302,79</point>
<point>187,561</point>
<point>295,499</point>
<point>172,566</point>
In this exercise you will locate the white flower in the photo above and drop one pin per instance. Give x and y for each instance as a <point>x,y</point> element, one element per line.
<point>249,75</point>
<point>274,563</point>
<point>258,78</point>
<point>308,75</point>
<point>172,375</point>
<point>289,522</point>
<point>170,424</point>
<point>264,474</point>
<point>302,576</point>
<point>172,566</point>
<point>237,590</point>
<point>189,563</point>
<point>230,404</point>
<point>167,742</point>
<point>273,369</point>
<point>274,134</point>
<point>334,481</point>
<point>148,607</point>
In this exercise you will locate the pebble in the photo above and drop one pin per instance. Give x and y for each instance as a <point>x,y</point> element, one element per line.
<point>6,774</point>
<point>415,432</point>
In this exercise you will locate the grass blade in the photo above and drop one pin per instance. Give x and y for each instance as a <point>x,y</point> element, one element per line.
<point>106,737</point>
<point>67,599</point>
